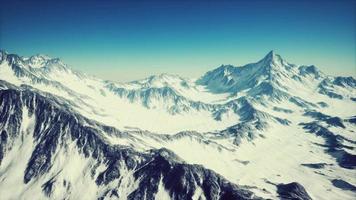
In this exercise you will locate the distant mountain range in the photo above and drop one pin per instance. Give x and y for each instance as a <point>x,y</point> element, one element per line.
<point>265,130</point>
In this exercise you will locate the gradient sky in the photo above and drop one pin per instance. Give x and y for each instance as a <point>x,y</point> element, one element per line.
<point>126,40</point>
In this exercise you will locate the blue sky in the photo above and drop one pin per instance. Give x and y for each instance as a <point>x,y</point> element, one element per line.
<point>126,40</point>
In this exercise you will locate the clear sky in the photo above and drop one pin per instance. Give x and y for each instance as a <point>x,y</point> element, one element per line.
<point>126,40</point>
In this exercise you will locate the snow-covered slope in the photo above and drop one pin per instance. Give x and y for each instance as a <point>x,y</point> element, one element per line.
<point>48,151</point>
<point>260,126</point>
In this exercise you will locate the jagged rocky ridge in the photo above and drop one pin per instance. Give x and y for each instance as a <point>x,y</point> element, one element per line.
<point>292,191</point>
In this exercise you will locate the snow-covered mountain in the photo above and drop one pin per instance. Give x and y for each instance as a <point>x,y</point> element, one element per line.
<point>268,129</point>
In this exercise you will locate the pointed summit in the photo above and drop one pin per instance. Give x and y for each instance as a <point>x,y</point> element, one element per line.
<point>3,53</point>
<point>273,59</point>
<point>272,56</point>
<point>41,61</point>
<point>38,61</point>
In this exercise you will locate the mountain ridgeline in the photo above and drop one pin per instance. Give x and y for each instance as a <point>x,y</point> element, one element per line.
<point>265,130</point>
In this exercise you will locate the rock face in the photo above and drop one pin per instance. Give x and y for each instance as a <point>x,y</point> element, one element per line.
<point>292,191</point>
<point>343,185</point>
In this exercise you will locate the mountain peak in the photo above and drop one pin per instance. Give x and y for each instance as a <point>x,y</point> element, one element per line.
<point>2,54</point>
<point>2,51</point>
<point>274,62</point>
<point>272,57</point>
<point>38,60</point>
<point>43,61</point>
<point>41,56</point>
<point>160,77</point>
<point>271,54</point>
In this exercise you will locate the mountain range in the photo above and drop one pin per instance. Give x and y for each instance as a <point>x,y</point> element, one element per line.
<point>265,130</point>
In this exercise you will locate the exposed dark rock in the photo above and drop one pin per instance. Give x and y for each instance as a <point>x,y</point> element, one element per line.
<point>47,187</point>
<point>333,143</point>
<point>302,103</point>
<point>345,81</point>
<point>316,165</point>
<point>278,109</point>
<point>333,121</point>
<point>344,159</point>
<point>310,70</point>
<point>293,191</point>
<point>322,104</point>
<point>343,185</point>
<point>352,120</point>
<point>332,94</point>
